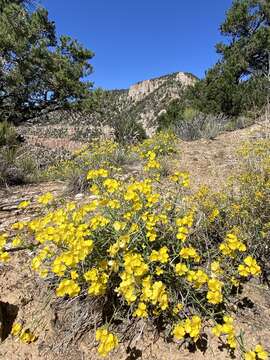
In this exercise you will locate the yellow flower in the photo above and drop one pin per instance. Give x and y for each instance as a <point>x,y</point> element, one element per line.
<point>217,330</point>
<point>214,214</point>
<point>141,310</point>
<point>18,226</point>
<point>117,225</point>
<point>193,326</point>
<point>159,296</point>
<point>152,235</point>
<point>182,233</point>
<point>16,329</point>
<point>198,278</point>
<point>189,252</point>
<point>111,185</point>
<point>231,244</point>
<point>4,256</point>
<point>214,294</point>
<point>46,198</point>
<point>27,337</point>
<point>214,297</point>
<point>68,287</point>
<point>16,241</point>
<point>3,240</point>
<point>226,329</point>
<point>114,204</point>
<point>24,204</point>
<point>181,178</point>
<point>181,269</point>
<point>161,255</point>
<point>261,353</point>
<point>231,341</point>
<point>250,267</point>
<point>74,275</point>
<point>94,189</point>
<point>92,174</point>
<point>159,271</point>
<point>179,331</point>
<point>250,355</point>
<point>43,273</point>
<point>107,341</point>
<point>215,268</point>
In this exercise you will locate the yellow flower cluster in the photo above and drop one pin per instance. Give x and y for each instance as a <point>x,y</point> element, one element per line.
<point>25,335</point>
<point>257,354</point>
<point>184,224</point>
<point>152,163</point>
<point>68,287</point>
<point>98,281</point>
<point>181,178</point>
<point>214,294</point>
<point>154,251</point>
<point>161,255</point>
<point>95,173</point>
<point>111,185</point>
<point>162,143</point>
<point>45,199</point>
<point>197,278</point>
<point>189,253</point>
<point>107,341</point>
<point>231,244</point>
<point>249,268</point>
<point>4,255</point>
<point>227,329</point>
<point>189,327</point>
<point>24,204</point>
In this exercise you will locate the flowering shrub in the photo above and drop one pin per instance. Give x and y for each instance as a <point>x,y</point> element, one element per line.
<point>146,250</point>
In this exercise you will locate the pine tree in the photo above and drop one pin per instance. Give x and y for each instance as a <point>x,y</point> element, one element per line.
<point>239,81</point>
<point>38,72</point>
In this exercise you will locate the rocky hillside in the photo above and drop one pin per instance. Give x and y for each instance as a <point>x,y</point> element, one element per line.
<point>141,103</point>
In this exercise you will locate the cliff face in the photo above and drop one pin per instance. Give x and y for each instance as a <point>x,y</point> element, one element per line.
<point>143,88</point>
<point>151,97</point>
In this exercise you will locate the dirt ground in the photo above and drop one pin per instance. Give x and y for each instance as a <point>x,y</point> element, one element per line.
<point>24,296</point>
<point>210,162</point>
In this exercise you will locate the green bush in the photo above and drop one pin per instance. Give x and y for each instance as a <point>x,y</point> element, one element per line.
<point>17,166</point>
<point>128,131</point>
<point>8,135</point>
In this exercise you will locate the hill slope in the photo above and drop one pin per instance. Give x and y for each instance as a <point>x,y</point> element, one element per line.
<point>142,102</point>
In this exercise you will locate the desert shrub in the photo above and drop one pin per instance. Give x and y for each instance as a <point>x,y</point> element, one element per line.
<point>128,131</point>
<point>17,166</point>
<point>151,252</point>
<point>8,135</point>
<point>200,126</point>
<point>239,122</point>
<point>169,118</point>
<point>119,158</point>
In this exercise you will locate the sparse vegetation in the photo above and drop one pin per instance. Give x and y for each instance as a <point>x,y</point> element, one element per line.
<point>155,252</point>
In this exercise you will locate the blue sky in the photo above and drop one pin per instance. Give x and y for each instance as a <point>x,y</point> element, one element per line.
<point>142,39</point>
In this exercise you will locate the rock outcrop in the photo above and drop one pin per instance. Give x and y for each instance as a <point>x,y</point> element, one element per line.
<point>141,89</point>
